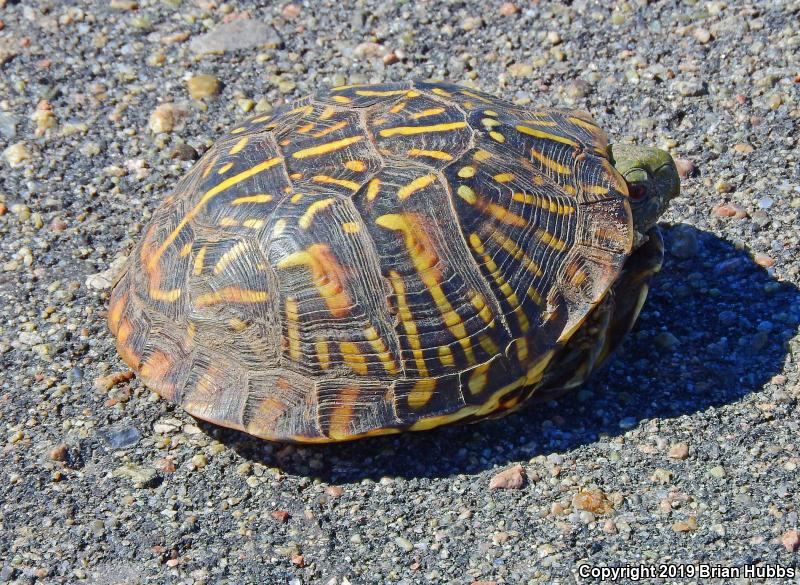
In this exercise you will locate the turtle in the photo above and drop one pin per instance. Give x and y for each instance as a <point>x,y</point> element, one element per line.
<point>372,259</point>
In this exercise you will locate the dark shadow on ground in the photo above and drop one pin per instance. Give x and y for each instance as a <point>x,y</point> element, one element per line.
<point>714,329</point>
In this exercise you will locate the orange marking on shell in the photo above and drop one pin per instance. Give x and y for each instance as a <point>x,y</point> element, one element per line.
<point>230,256</point>
<point>115,310</point>
<point>258,198</point>
<point>327,147</point>
<point>437,154</point>
<point>125,351</point>
<point>475,96</point>
<point>305,128</point>
<point>328,275</point>
<point>342,414</point>
<point>154,371</point>
<point>356,165</point>
<point>505,216</point>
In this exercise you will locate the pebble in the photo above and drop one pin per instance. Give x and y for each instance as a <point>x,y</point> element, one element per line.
<point>142,477</point>
<point>16,154</point>
<point>678,451</point>
<point>512,478</point>
<point>763,260</point>
<point>743,148</point>
<point>666,340</point>
<point>765,202</point>
<point>334,491</point>
<point>686,168</point>
<point>165,465</point>
<point>791,540</point>
<point>684,242</point>
<point>717,471</point>
<point>106,383</point>
<point>282,516</point>
<point>59,452</point>
<point>520,70</point>
<point>203,86</point>
<point>120,437</point>
<point>199,461</point>
<point>404,544</point>
<point>592,500</point>
<point>689,88</point>
<point>730,210</point>
<point>688,525</point>
<point>239,34</point>
<point>291,11</point>
<point>8,126</point>
<point>162,119</point>
<point>702,35</point>
<point>508,9</point>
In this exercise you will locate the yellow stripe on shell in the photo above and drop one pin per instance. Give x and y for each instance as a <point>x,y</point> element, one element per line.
<point>292,328</point>
<point>259,198</point>
<point>372,189</point>
<point>305,220</point>
<point>407,321</point>
<point>323,355</point>
<point>327,274</point>
<point>327,147</point>
<point>421,393</point>
<point>425,260</point>
<point>239,145</point>
<point>229,256</point>
<point>198,261</point>
<point>550,163</point>
<point>230,294</point>
<point>416,185</point>
<point>355,165</point>
<point>426,113</point>
<point>208,196</point>
<point>546,135</point>
<point>437,154</point>
<point>517,253</point>
<point>330,129</point>
<point>411,130</point>
<point>352,185</point>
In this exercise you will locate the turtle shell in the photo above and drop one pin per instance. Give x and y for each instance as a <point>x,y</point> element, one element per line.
<point>371,259</point>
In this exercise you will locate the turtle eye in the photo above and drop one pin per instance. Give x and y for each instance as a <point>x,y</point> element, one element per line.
<point>637,191</point>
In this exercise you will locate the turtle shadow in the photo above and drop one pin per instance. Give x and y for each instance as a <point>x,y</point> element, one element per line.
<point>714,329</point>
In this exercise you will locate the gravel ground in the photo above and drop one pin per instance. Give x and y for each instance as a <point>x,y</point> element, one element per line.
<point>685,449</point>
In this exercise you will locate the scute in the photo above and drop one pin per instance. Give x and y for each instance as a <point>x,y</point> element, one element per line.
<point>372,259</point>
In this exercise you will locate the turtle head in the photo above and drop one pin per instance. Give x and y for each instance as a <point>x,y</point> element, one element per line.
<point>652,179</point>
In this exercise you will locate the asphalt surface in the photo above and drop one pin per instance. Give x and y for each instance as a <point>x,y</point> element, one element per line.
<point>684,450</point>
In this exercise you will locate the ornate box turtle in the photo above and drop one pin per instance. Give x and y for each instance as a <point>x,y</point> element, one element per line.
<point>379,258</point>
